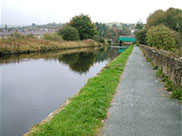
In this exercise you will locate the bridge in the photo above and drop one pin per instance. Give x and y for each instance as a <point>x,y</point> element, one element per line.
<point>126,39</point>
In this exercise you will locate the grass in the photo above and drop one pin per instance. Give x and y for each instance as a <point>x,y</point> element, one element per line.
<point>84,114</point>
<point>176,91</point>
<point>29,45</point>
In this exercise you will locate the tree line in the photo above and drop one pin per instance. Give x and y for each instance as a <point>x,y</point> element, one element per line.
<point>163,30</point>
<point>81,27</point>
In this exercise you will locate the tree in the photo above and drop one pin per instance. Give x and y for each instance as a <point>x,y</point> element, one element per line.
<point>112,33</point>
<point>156,18</point>
<point>139,25</point>
<point>101,29</point>
<point>178,39</point>
<point>69,33</point>
<point>141,36</point>
<point>172,18</point>
<point>161,37</point>
<point>33,24</point>
<point>6,27</point>
<point>85,27</point>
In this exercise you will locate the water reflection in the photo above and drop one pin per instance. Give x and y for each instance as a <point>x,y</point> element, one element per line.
<point>82,61</point>
<point>34,85</point>
<point>78,62</point>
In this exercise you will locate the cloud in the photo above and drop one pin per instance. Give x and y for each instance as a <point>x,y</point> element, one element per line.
<point>45,11</point>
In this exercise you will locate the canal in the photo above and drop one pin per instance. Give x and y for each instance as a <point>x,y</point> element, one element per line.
<point>34,85</point>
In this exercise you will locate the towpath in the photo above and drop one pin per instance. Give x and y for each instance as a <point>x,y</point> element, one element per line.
<point>141,106</point>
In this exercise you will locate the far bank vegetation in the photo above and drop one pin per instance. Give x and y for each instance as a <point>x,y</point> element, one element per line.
<point>67,37</point>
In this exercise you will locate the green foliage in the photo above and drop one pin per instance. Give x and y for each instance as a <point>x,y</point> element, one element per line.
<point>30,36</point>
<point>83,116</point>
<point>78,62</point>
<point>85,27</point>
<point>139,25</point>
<point>17,36</point>
<point>52,37</point>
<point>124,31</point>
<point>161,37</point>
<point>141,36</point>
<point>109,42</point>
<point>156,18</point>
<point>114,32</point>
<point>172,18</point>
<point>102,29</point>
<point>99,39</point>
<point>178,39</point>
<point>177,94</point>
<point>176,91</point>
<point>69,33</point>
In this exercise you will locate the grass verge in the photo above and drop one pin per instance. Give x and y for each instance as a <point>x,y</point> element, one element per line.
<point>176,91</point>
<point>84,114</point>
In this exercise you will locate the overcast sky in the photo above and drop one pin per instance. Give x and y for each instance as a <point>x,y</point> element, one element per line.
<point>26,12</point>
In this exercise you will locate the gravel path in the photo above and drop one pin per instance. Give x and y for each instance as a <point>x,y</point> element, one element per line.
<point>141,106</point>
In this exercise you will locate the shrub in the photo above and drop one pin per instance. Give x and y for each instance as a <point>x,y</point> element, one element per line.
<point>178,40</point>
<point>69,33</point>
<point>17,35</point>
<point>30,36</point>
<point>161,37</point>
<point>141,36</point>
<point>52,37</point>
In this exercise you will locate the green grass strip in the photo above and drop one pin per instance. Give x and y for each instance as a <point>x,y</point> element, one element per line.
<point>84,115</point>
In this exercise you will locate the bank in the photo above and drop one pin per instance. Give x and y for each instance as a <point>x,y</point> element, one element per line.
<point>32,45</point>
<point>84,113</point>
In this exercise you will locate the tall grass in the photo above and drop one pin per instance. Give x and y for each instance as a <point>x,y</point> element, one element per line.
<point>84,114</point>
<point>17,44</point>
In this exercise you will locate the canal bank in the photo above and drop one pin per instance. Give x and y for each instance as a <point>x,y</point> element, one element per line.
<point>34,85</point>
<point>26,46</point>
<point>84,114</point>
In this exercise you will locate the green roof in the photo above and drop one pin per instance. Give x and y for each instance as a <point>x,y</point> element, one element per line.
<point>127,39</point>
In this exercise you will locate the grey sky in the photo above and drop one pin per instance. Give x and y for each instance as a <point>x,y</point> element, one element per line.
<point>25,12</point>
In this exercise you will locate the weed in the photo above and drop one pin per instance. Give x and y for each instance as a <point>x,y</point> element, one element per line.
<point>148,60</point>
<point>176,91</point>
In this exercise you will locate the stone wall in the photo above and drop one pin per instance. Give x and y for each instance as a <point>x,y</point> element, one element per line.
<point>166,61</point>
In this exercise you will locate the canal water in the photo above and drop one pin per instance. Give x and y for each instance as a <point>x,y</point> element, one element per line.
<point>34,85</point>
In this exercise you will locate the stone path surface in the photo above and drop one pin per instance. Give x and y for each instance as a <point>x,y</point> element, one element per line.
<point>141,106</point>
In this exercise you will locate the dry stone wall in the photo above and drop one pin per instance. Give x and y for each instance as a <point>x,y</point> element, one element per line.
<point>166,61</point>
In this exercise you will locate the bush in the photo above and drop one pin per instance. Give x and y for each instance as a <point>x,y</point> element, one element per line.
<point>17,35</point>
<point>161,37</point>
<point>99,39</point>
<point>141,36</point>
<point>109,42</point>
<point>69,33</point>
<point>52,37</point>
<point>30,36</point>
<point>178,45</point>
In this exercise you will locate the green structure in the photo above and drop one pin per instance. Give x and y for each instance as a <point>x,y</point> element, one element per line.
<point>126,39</point>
